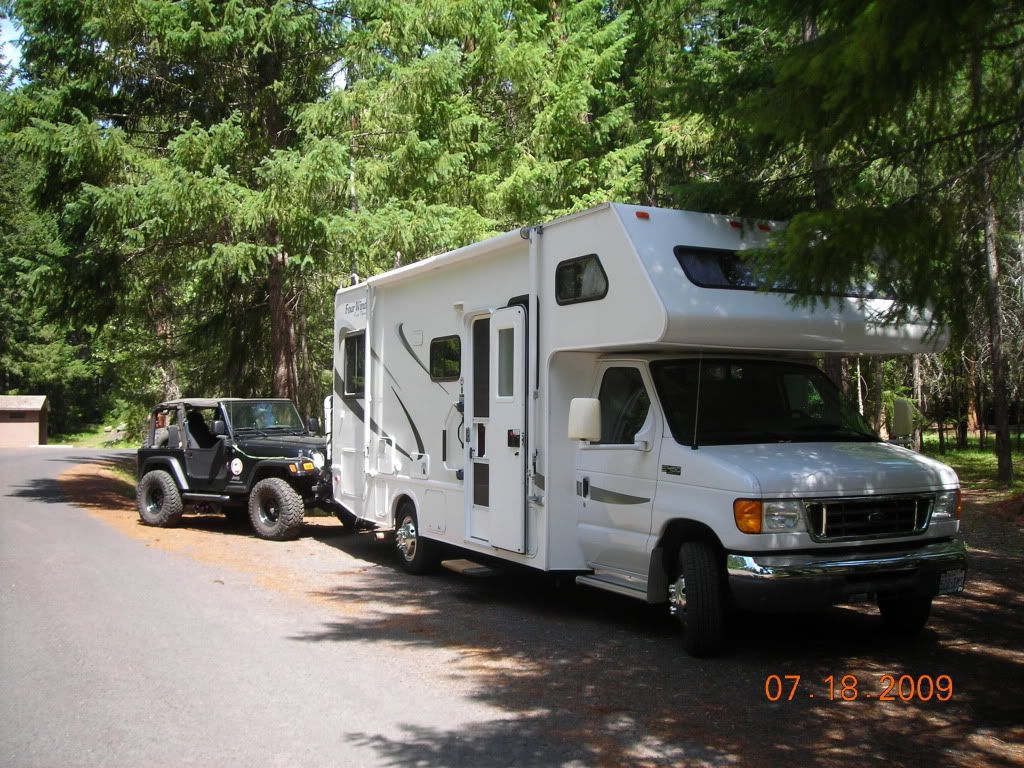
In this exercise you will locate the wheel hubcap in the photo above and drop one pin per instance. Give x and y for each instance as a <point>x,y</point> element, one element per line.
<point>268,511</point>
<point>677,597</point>
<point>154,500</point>
<point>405,538</point>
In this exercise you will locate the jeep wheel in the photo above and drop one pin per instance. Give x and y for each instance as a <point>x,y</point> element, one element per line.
<point>699,599</point>
<point>159,499</point>
<point>904,616</point>
<point>416,554</point>
<point>275,510</point>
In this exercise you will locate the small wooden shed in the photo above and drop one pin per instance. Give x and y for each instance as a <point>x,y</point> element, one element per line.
<point>23,420</point>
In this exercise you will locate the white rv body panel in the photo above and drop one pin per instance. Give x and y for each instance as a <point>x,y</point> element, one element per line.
<point>484,454</point>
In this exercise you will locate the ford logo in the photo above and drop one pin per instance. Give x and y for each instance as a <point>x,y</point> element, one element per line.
<point>878,517</point>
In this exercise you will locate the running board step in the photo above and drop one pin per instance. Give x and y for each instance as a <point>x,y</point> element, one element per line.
<point>612,586</point>
<point>468,568</point>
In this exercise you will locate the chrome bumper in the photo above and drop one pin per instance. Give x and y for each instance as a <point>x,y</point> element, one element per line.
<point>815,580</point>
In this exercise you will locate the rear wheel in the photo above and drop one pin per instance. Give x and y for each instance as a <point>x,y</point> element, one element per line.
<point>698,598</point>
<point>159,499</point>
<point>905,616</point>
<point>417,555</point>
<point>275,510</point>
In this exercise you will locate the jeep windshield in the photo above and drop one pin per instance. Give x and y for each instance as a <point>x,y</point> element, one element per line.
<point>735,402</point>
<point>264,416</point>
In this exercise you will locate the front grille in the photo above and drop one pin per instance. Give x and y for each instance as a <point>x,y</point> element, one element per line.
<point>868,517</point>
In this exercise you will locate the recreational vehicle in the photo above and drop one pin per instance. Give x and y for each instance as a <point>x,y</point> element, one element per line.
<point>610,395</point>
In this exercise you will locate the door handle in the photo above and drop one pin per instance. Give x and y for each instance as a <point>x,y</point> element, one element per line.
<point>586,486</point>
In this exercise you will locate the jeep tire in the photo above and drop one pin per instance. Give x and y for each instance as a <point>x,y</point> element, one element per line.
<point>275,510</point>
<point>159,499</point>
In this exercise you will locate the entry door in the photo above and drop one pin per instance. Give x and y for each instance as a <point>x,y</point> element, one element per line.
<point>507,441</point>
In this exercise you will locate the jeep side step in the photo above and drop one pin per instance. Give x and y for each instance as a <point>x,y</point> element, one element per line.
<point>469,568</point>
<point>189,496</point>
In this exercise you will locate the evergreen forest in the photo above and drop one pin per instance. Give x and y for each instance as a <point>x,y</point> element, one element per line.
<point>185,183</point>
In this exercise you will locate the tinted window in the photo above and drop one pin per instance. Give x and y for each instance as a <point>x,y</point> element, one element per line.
<point>355,362</point>
<point>580,279</point>
<point>720,268</point>
<point>446,358</point>
<point>624,405</point>
<point>734,402</point>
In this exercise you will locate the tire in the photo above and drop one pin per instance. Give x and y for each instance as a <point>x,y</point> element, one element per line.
<point>905,616</point>
<point>275,510</point>
<point>416,554</point>
<point>159,499</point>
<point>702,599</point>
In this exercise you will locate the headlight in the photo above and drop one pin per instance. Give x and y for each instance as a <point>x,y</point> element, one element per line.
<point>756,516</point>
<point>784,516</point>
<point>947,505</point>
<point>318,459</point>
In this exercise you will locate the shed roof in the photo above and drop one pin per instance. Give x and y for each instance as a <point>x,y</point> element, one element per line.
<point>23,403</point>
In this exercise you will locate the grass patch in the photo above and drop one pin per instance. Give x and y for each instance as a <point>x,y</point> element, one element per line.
<point>94,436</point>
<point>977,468</point>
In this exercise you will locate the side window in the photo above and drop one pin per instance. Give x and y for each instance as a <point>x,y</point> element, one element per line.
<point>624,405</point>
<point>355,362</point>
<point>445,358</point>
<point>580,279</point>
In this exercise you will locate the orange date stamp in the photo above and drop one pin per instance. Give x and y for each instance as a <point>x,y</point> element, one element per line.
<point>888,687</point>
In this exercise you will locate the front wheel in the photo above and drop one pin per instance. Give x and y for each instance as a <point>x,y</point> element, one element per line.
<point>275,510</point>
<point>416,554</point>
<point>159,499</point>
<point>905,616</point>
<point>699,599</point>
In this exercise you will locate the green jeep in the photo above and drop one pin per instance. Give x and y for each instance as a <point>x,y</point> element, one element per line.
<point>251,458</point>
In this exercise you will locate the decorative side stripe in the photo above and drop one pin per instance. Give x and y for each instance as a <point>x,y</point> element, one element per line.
<point>412,424</point>
<point>408,347</point>
<point>356,408</point>
<point>614,497</point>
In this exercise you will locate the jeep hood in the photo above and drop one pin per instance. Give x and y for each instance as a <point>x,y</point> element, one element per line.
<point>280,446</point>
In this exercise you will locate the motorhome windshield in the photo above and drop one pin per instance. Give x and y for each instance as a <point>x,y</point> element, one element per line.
<point>734,402</point>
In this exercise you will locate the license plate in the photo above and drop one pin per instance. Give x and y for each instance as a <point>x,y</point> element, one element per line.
<point>951,582</point>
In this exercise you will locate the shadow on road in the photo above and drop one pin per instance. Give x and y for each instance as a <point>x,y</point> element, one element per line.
<point>600,679</point>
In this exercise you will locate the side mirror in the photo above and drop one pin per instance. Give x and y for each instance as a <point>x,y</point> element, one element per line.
<point>902,417</point>
<point>313,425</point>
<point>220,429</point>
<point>585,419</point>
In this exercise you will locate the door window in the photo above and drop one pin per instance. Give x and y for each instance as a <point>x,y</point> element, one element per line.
<point>355,362</point>
<point>624,405</point>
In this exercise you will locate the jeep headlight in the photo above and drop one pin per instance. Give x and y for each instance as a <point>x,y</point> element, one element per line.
<point>947,505</point>
<point>757,516</point>
<point>318,459</point>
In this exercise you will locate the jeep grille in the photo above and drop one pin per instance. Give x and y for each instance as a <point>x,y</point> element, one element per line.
<point>868,517</point>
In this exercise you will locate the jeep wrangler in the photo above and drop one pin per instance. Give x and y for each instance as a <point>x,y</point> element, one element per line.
<point>251,458</point>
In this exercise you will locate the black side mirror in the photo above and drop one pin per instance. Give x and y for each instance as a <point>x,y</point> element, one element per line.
<point>220,429</point>
<point>313,425</point>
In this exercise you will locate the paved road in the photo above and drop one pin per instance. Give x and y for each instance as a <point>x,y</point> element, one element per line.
<point>115,652</point>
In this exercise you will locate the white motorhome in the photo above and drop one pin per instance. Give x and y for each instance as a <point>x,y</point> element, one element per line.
<point>607,394</point>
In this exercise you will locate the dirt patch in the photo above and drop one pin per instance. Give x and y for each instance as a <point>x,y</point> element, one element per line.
<point>302,567</point>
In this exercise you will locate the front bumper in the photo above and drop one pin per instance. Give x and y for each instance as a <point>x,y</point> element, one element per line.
<point>809,581</point>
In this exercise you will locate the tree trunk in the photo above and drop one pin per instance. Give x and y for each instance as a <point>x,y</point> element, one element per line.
<point>918,398</point>
<point>284,380</point>
<point>993,308</point>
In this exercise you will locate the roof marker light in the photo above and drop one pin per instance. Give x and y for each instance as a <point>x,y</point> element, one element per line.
<point>735,224</point>
<point>645,215</point>
<point>765,227</point>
